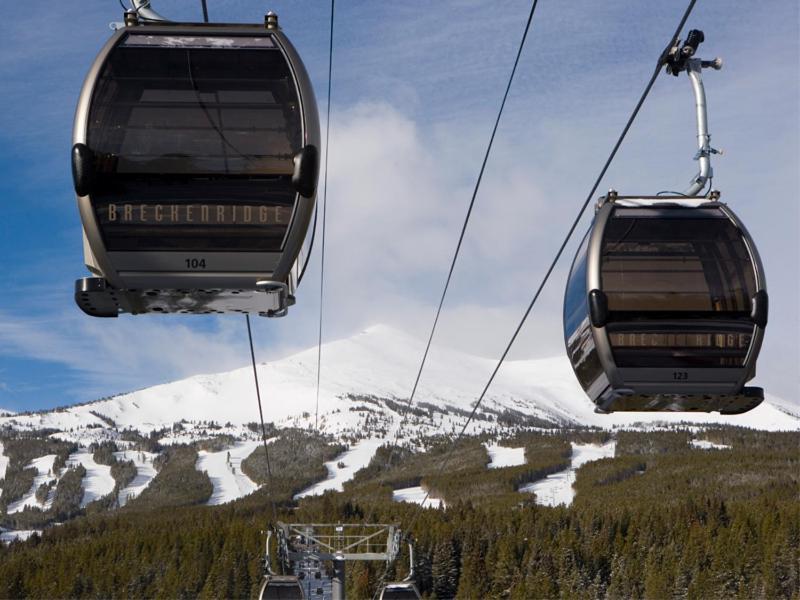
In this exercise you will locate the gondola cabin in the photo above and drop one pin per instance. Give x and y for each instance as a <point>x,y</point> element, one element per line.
<point>665,307</point>
<point>281,587</point>
<point>195,161</point>
<point>400,590</point>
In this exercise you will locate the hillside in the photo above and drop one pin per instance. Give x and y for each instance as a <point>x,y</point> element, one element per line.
<point>196,441</point>
<point>654,515</point>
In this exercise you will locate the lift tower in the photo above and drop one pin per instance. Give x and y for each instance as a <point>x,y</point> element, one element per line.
<point>304,546</point>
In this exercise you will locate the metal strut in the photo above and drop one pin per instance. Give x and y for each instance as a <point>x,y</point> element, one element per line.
<point>681,58</point>
<point>142,9</point>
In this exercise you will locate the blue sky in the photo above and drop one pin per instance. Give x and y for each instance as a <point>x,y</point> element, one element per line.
<point>415,88</point>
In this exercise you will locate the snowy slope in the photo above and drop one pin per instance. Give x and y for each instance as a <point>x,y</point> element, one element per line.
<point>224,468</point>
<point>7,535</point>
<point>417,495</point>
<point>379,362</point>
<point>351,461</point>
<point>97,482</point>
<point>706,445</point>
<point>4,460</point>
<point>44,470</point>
<point>145,472</point>
<point>557,488</point>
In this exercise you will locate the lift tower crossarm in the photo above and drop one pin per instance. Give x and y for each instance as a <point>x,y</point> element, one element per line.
<point>681,58</point>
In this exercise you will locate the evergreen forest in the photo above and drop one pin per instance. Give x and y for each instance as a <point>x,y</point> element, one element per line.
<point>662,519</point>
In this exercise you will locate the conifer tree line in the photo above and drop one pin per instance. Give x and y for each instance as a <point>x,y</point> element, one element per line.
<point>660,520</point>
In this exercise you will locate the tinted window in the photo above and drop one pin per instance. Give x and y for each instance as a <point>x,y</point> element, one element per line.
<point>194,139</point>
<point>697,265</point>
<point>575,297</point>
<point>679,287</point>
<point>179,109</point>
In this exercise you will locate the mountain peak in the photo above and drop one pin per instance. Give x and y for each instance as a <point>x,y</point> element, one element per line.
<point>379,363</point>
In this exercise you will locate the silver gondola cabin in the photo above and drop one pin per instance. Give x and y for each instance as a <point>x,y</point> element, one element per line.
<point>281,587</point>
<point>195,162</point>
<point>665,307</point>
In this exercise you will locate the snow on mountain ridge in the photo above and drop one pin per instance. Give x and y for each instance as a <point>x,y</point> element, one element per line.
<point>380,362</point>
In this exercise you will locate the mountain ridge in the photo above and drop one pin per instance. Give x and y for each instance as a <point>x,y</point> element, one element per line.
<point>379,364</point>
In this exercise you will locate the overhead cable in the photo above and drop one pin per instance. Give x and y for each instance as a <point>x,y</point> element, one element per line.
<point>472,201</point>
<point>270,488</point>
<point>324,214</point>
<point>461,236</point>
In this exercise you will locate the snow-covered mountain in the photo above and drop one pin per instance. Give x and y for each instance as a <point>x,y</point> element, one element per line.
<point>358,375</point>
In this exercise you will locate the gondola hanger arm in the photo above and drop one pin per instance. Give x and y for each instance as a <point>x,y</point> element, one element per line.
<point>681,58</point>
<point>143,9</point>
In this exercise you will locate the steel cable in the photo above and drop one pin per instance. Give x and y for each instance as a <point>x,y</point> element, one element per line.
<point>324,214</point>
<point>472,201</point>
<point>463,232</point>
<point>261,418</point>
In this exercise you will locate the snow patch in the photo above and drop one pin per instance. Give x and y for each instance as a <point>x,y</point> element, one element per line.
<point>3,465</point>
<point>502,456</point>
<point>706,445</point>
<point>557,488</point>
<point>224,468</point>
<point>417,495</point>
<point>10,535</point>
<point>44,474</point>
<point>145,472</point>
<point>97,482</point>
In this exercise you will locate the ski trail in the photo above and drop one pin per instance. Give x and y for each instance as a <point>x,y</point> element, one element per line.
<point>44,473</point>
<point>97,482</point>
<point>145,472</point>
<point>224,468</point>
<point>557,488</point>
<point>502,456</point>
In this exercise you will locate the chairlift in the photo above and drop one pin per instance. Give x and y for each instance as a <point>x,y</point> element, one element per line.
<point>195,164</point>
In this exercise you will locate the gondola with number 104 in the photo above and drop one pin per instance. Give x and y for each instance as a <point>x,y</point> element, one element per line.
<point>195,160</point>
